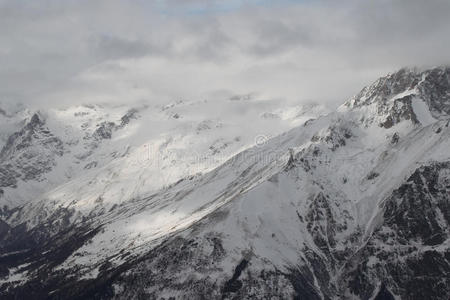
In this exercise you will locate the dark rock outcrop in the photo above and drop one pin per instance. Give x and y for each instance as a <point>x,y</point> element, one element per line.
<point>29,153</point>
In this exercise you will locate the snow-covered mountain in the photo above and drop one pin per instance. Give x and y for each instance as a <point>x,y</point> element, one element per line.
<point>160,203</point>
<point>118,153</point>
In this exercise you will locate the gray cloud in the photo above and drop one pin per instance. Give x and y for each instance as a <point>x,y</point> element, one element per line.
<point>114,47</point>
<point>274,36</point>
<point>53,51</point>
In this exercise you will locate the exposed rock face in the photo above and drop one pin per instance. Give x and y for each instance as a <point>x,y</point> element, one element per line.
<point>386,87</point>
<point>29,153</point>
<point>392,95</point>
<point>352,205</point>
<point>104,131</point>
<point>130,115</point>
<point>434,89</point>
<point>409,251</point>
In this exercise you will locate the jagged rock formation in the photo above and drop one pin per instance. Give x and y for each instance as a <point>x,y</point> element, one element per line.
<point>29,153</point>
<point>351,205</point>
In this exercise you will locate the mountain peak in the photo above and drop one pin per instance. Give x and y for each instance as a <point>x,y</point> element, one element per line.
<point>36,120</point>
<point>408,94</point>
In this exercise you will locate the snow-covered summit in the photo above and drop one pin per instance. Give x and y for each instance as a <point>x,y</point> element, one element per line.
<point>408,94</point>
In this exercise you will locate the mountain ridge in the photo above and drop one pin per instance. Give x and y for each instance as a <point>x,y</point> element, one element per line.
<point>326,210</point>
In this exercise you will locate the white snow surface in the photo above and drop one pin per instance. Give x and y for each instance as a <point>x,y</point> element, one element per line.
<point>157,148</point>
<point>262,202</point>
<point>422,112</point>
<point>171,168</point>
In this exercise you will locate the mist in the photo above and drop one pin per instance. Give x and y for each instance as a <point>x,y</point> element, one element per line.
<point>55,53</point>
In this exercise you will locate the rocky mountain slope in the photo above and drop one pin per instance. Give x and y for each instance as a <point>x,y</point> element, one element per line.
<point>353,204</point>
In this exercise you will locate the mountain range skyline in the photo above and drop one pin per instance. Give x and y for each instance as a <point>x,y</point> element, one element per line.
<point>211,149</point>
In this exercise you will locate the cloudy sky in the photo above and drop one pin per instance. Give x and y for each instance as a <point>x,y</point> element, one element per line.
<point>56,52</point>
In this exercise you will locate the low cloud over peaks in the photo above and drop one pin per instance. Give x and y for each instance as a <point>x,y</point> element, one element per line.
<point>60,53</point>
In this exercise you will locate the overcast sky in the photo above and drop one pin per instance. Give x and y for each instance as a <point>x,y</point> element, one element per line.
<point>56,52</point>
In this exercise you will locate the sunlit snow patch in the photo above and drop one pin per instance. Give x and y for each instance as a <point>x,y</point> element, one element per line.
<point>422,112</point>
